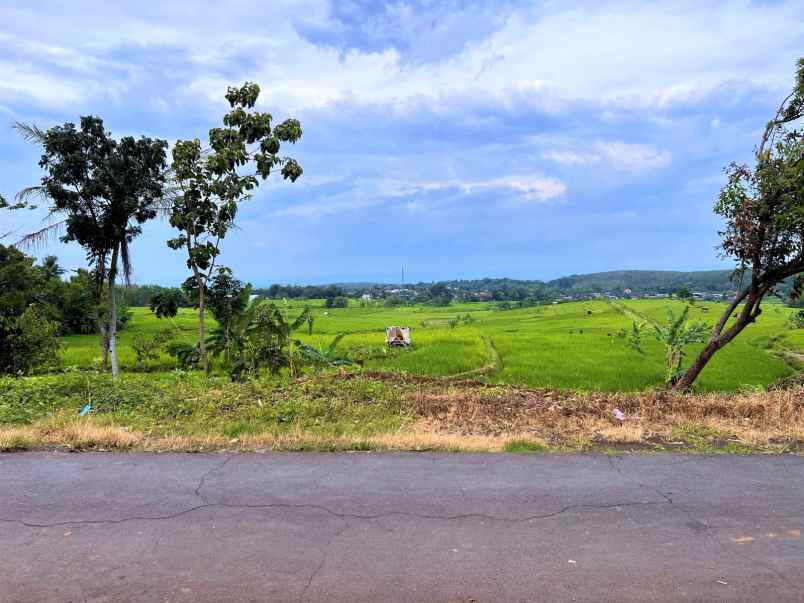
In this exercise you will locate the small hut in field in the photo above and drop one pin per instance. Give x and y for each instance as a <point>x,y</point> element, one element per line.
<point>397,336</point>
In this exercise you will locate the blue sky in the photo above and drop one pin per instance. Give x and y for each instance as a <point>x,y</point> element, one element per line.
<point>461,139</point>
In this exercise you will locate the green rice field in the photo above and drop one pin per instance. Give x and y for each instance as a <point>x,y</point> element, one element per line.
<point>568,346</point>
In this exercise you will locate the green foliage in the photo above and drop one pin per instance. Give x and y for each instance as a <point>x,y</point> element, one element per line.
<point>165,304</point>
<point>227,297</point>
<point>277,291</point>
<point>267,341</point>
<point>147,348</point>
<point>187,403</point>
<point>79,308</point>
<point>20,283</point>
<point>524,446</point>
<point>27,342</point>
<point>339,301</point>
<point>683,292</point>
<point>675,334</point>
<point>762,207</point>
<point>229,301</point>
<point>104,190</point>
<point>439,295</point>
<point>324,356</point>
<point>71,304</point>
<point>187,355</point>
<point>211,184</point>
<point>796,320</point>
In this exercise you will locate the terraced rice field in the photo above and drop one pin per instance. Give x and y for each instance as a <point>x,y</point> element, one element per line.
<point>569,346</point>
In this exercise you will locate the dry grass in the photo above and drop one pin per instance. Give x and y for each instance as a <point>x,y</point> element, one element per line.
<point>88,434</point>
<point>764,420</point>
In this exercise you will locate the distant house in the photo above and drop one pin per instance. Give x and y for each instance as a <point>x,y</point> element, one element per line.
<point>366,297</point>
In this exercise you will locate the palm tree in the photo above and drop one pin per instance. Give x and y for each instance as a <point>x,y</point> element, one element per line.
<point>50,268</point>
<point>101,191</point>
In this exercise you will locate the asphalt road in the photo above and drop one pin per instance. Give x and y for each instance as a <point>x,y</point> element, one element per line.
<point>400,527</point>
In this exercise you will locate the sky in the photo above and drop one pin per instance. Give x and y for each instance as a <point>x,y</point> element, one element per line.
<point>461,139</point>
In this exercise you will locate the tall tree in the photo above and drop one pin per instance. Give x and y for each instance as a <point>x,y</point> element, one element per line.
<point>134,178</point>
<point>763,209</point>
<point>101,191</point>
<point>211,183</point>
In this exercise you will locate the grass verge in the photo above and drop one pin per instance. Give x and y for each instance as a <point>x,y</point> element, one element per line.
<point>367,410</point>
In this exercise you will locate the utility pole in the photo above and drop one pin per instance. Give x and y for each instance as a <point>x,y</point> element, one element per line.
<point>403,276</point>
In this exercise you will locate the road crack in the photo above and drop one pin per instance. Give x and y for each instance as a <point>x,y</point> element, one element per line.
<point>207,474</point>
<point>323,509</point>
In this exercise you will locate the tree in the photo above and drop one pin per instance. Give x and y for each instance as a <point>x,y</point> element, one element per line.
<point>78,305</point>
<point>269,342</point>
<point>50,268</point>
<point>440,295</point>
<point>210,184</point>
<point>227,299</point>
<point>338,301</point>
<point>165,304</point>
<point>763,209</point>
<point>20,282</point>
<point>27,342</point>
<point>683,293</point>
<point>103,190</point>
<point>134,178</point>
<point>27,336</point>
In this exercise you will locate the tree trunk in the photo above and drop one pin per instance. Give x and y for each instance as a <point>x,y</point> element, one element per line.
<point>749,314</point>
<point>691,374</point>
<point>112,326</point>
<point>104,342</point>
<point>202,344</point>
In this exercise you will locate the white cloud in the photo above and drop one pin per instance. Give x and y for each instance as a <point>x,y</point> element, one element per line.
<point>626,53</point>
<point>424,195</point>
<point>526,188</point>
<point>634,157</point>
<point>617,154</point>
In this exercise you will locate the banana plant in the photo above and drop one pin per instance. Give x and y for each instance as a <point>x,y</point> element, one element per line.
<point>676,334</point>
<point>324,356</point>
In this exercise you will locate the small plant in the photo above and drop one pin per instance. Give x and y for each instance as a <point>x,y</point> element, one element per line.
<point>523,445</point>
<point>676,334</point>
<point>147,348</point>
<point>186,354</point>
<point>265,341</point>
<point>323,357</point>
<point>796,320</point>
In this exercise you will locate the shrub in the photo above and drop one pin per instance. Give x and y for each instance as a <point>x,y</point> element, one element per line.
<point>338,301</point>
<point>147,348</point>
<point>28,342</point>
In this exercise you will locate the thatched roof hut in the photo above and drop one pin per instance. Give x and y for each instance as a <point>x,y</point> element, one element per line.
<point>397,336</point>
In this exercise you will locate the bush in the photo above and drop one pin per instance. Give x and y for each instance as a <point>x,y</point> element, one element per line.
<point>28,342</point>
<point>187,355</point>
<point>147,348</point>
<point>796,320</point>
<point>336,302</point>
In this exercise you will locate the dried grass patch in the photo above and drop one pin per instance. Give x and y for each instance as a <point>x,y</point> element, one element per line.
<point>759,419</point>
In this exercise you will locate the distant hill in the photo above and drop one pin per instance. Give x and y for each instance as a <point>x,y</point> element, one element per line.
<point>644,281</point>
